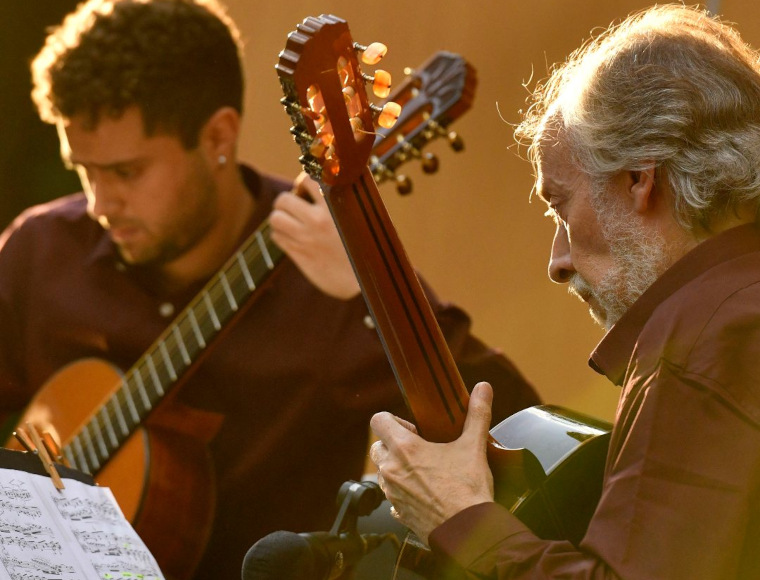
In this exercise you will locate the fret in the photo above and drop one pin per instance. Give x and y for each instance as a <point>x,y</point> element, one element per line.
<point>211,311</point>
<point>264,251</point>
<point>168,364</point>
<point>238,285</point>
<point>90,448</point>
<point>131,403</point>
<point>218,297</point>
<point>70,457</point>
<point>188,335</point>
<point>120,416</point>
<point>228,291</point>
<point>181,344</point>
<point>109,427</point>
<point>99,437</point>
<point>141,389</point>
<point>196,328</point>
<point>81,454</point>
<point>154,373</point>
<point>246,272</point>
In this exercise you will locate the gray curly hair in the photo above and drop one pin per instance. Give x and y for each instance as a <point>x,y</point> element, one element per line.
<point>672,87</point>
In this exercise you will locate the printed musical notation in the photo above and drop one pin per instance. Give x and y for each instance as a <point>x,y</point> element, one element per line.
<point>77,533</point>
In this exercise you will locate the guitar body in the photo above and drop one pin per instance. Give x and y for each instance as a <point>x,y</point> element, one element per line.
<point>161,475</point>
<point>572,450</point>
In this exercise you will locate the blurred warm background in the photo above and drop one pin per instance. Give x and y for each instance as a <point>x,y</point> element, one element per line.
<point>471,229</point>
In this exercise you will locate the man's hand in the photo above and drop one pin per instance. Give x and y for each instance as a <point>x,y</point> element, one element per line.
<point>306,232</point>
<point>428,483</point>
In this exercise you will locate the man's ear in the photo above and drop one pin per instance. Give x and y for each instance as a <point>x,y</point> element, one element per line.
<point>642,189</point>
<point>220,134</point>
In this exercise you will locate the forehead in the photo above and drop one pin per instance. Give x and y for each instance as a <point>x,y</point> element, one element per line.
<point>112,139</point>
<point>557,175</point>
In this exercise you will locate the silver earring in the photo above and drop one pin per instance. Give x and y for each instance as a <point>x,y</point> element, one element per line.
<point>222,159</point>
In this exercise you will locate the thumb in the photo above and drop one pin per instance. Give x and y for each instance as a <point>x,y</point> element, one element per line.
<point>478,420</point>
<point>307,188</point>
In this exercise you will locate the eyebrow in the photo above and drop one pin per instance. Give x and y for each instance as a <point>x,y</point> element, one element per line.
<point>105,166</point>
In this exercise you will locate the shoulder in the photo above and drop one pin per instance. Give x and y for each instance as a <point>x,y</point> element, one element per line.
<point>709,332</point>
<point>50,224</point>
<point>68,209</point>
<point>264,186</point>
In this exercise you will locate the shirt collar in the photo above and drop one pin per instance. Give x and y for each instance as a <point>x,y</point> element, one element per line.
<point>613,353</point>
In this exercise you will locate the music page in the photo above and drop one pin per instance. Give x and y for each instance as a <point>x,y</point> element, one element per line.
<point>75,533</point>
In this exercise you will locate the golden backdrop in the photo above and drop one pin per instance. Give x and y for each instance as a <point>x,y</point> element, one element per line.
<point>471,229</point>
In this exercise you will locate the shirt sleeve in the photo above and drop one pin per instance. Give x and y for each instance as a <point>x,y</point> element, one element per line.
<point>487,541</point>
<point>676,503</point>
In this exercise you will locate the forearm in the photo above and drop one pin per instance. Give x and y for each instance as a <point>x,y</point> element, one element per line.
<point>487,541</point>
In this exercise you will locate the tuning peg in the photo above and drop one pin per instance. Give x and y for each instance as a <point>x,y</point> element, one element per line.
<point>311,165</point>
<point>317,149</point>
<point>299,135</point>
<point>456,142</point>
<point>373,53</point>
<point>380,173</point>
<point>381,83</point>
<point>403,184</point>
<point>357,124</point>
<point>430,163</point>
<point>388,114</point>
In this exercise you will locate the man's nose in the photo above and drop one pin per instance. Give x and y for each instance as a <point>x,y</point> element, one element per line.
<point>104,200</point>
<point>560,264</point>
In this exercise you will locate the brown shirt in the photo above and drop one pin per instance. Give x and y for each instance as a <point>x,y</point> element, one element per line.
<point>296,377</point>
<point>681,495</point>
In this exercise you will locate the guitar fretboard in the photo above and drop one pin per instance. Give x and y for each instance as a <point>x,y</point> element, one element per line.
<point>152,376</point>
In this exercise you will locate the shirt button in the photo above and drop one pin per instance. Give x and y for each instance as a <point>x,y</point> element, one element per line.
<point>166,309</point>
<point>121,267</point>
<point>368,322</point>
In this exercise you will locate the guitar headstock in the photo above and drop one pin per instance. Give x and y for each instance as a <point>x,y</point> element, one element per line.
<point>432,97</point>
<point>323,84</point>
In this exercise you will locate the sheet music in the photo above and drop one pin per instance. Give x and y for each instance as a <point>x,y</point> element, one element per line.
<point>78,533</point>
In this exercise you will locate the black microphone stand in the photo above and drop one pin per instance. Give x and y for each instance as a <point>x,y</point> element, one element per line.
<point>355,499</point>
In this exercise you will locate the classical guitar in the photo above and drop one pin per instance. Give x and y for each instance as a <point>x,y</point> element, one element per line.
<point>153,455</point>
<point>547,461</point>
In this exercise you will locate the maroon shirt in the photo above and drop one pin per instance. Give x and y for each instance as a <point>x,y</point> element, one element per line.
<point>681,495</point>
<point>297,376</point>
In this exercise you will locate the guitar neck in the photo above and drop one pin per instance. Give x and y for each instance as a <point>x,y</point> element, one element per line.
<point>425,370</point>
<point>148,381</point>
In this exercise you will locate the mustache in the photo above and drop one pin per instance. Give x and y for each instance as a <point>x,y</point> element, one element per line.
<point>579,287</point>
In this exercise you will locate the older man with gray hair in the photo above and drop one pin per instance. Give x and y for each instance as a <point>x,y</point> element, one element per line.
<point>646,146</point>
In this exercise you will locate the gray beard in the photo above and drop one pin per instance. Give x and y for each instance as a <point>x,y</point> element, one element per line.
<point>639,255</point>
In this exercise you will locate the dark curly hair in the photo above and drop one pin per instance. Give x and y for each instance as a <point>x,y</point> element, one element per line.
<point>178,61</point>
